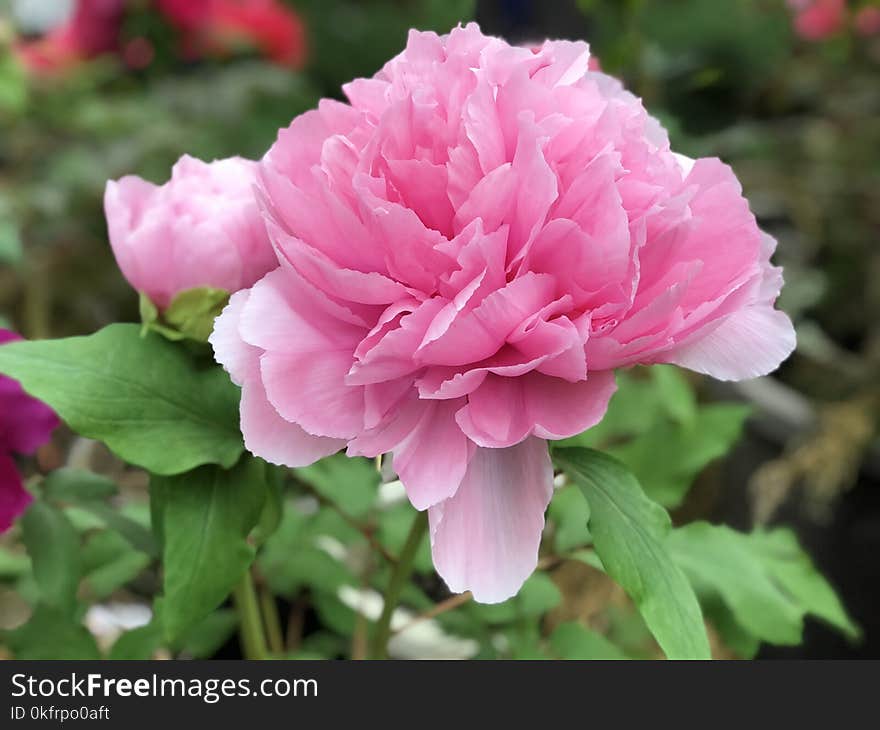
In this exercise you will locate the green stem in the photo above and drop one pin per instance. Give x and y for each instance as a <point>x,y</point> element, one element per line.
<point>399,576</point>
<point>272,621</point>
<point>253,640</point>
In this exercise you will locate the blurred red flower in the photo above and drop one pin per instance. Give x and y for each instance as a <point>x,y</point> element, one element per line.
<point>816,20</point>
<point>207,28</point>
<point>216,27</point>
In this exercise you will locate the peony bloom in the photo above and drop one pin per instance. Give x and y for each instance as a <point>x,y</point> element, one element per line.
<point>468,249</point>
<point>867,21</point>
<point>25,425</point>
<point>201,228</point>
<point>213,27</point>
<point>92,30</point>
<point>816,20</point>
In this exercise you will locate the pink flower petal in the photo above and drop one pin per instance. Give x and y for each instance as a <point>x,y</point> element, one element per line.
<point>485,538</point>
<point>746,344</point>
<point>546,407</point>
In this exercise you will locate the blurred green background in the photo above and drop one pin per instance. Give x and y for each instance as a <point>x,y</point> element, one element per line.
<point>798,119</point>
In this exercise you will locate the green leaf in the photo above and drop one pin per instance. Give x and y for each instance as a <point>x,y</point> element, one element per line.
<point>72,486</point>
<point>206,517</point>
<point>293,557</point>
<point>669,455</point>
<point>675,393</point>
<point>13,564</point>
<point>144,397</point>
<point>351,484</point>
<point>52,634</point>
<point>628,534</point>
<point>570,513</point>
<point>53,545</point>
<point>11,251</point>
<point>203,640</point>
<point>108,563</point>
<point>765,578</point>
<point>138,644</point>
<point>138,536</point>
<point>571,640</point>
<point>88,491</point>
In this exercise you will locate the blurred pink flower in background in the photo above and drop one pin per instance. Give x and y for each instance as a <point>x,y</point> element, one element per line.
<point>207,28</point>
<point>91,30</point>
<point>25,425</point>
<point>468,249</point>
<point>201,228</point>
<point>817,20</point>
<point>867,21</point>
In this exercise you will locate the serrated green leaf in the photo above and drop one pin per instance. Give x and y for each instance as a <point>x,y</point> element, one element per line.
<point>668,456</point>
<point>206,517</point>
<point>767,581</point>
<point>142,396</point>
<point>628,532</point>
<point>53,545</point>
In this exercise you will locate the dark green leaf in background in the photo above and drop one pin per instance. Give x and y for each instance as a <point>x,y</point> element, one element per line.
<point>53,546</point>
<point>51,634</point>
<point>571,640</point>
<point>349,483</point>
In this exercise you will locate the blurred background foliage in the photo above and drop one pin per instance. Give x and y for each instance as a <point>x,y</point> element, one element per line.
<point>797,114</point>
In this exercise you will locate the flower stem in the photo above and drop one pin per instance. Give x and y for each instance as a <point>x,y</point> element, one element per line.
<point>253,640</point>
<point>271,621</point>
<point>399,576</point>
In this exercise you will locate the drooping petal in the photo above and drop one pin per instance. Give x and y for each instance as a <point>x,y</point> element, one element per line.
<point>485,538</point>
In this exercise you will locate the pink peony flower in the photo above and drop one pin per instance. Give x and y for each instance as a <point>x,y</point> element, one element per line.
<point>868,21</point>
<point>468,249</point>
<point>816,20</point>
<point>25,425</point>
<point>201,228</point>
